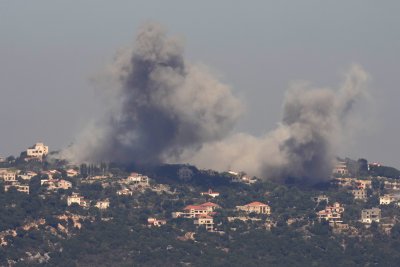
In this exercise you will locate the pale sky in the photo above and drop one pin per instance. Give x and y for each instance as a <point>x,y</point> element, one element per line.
<point>50,49</point>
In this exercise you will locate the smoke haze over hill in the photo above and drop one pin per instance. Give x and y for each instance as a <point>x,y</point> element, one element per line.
<point>167,110</point>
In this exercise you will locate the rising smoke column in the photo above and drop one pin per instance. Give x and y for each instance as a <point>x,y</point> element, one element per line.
<point>314,124</point>
<point>163,105</point>
<point>166,110</point>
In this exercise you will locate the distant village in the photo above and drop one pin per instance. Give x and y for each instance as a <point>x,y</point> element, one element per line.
<point>60,181</point>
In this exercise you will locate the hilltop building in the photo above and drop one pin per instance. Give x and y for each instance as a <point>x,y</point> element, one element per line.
<point>38,151</point>
<point>341,168</point>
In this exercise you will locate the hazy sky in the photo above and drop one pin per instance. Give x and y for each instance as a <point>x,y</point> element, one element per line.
<point>49,50</point>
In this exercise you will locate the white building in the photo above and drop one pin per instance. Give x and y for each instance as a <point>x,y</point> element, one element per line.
<point>72,173</point>
<point>210,193</point>
<point>8,175</point>
<point>256,207</point>
<point>37,151</point>
<point>103,204</point>
<point>206,221</point>
<point>155,222</point>
<point>76,198</point>
<point>387,199</point>
<point>27,175</point>
<point>137,179</point>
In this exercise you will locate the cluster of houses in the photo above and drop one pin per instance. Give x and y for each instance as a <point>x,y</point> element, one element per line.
<point>76,198</point>
<point>131,183</point>
<point>9,176</point>
<point>203,213</point>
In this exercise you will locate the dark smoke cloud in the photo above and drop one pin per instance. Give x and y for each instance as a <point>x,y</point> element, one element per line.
<point>165,109</point>
<point>314,126</point>
<point>164,106</point>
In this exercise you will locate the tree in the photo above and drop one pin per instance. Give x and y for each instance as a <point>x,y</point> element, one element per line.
<point>362,167</point>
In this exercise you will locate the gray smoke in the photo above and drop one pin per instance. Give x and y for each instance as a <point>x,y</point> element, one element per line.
<point>162,106</point>
<point>314,126</point>
<point>166,110</point>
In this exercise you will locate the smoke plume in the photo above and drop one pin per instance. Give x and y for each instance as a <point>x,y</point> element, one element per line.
<point>166,110</point>
<point>164,105</point>
<point>305,144</point>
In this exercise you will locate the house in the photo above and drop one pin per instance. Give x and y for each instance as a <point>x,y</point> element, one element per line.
<point>321,198</point>
<point>210,193</point>
<point>206,221</point>
<point>72,173</point>
<point>27,175</point>
<point>155,222</point>
<point>77,199</point>
<point>341,168</point>
<point>19,187</point>
<point>37,151</point>
<point>332,214</point>
<point>8,175</point>
<point>363,184</point>
<point>370,215</point>
<point>359,194</point>
<point>193,211</point>
<point>387,199</point>
<point>344,182</point>
<point>392,185</point>
<point>137,179</point>
<point>241,177</point>
<point>50,173</point>
<point>124,192</point>
<point>103,204</point>
<point>63,184</point>
<point>54,184</point>
<point>256,207</point>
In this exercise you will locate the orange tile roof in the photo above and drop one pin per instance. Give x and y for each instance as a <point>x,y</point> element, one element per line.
<point>193,207</point>
<point>209,204</point>
<point>256,203</point>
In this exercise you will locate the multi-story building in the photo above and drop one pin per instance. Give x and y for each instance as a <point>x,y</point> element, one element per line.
<point>77,199</point>
<point>8,175</point>
<point>370,215</point>
<point>37,151</point>
<point>341,168</point>
<point>363,184</point>
<point>256,207</point>
<point>206,221</point>
<point>193,211</point>
<point>332,214</point>
<point>360,194</point>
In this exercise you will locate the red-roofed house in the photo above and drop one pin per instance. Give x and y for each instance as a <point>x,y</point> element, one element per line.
<point>256,207</point>
<point>193,211</point>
